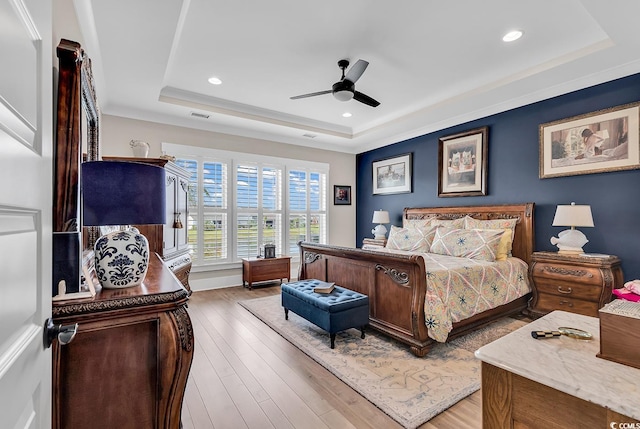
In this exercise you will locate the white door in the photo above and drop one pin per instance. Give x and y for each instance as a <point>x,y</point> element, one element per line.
<point>25,211</point>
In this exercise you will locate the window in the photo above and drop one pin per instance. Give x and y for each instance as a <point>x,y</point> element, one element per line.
<point>239,202</point>
<point>307,207</point>
<point>259,213</point>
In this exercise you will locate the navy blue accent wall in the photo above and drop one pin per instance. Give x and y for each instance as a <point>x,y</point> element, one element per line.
<point>513,164</point>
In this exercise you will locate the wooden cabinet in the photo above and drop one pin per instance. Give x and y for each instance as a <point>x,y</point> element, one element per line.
<point>513,401</point>
<point>573,283</point>
<point>263,269</point>
<point>171,240</point>
<point>127,366</point>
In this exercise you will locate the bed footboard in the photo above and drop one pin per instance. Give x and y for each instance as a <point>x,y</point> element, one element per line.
<point>395,284</point>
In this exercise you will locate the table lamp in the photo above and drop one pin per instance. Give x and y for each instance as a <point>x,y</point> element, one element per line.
<point>380,217</point>
<point>570,241</point>
<point>122,193</point>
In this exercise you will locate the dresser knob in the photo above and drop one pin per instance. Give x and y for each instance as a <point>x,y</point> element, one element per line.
<point>563,302</point>
<point>567,291</point>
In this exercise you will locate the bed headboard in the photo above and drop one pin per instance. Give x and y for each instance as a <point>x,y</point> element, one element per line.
<point>524,238</point>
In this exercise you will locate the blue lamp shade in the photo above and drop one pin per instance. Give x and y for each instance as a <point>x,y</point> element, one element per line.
<point>122,193</point>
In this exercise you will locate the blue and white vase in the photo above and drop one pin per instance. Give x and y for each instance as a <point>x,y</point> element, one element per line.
<point>121,259</point>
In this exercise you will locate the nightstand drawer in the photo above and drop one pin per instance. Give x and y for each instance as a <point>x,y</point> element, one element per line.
<point>547,303</point>
<point>571,290</point>
<point>569,273</point>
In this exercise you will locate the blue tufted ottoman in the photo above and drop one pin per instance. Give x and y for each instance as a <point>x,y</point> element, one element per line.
<point>341,309</point>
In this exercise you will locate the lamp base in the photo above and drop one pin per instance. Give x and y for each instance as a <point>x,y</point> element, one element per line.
<point>570,241</point>
<point>121,259</point>
<point>379,232</point>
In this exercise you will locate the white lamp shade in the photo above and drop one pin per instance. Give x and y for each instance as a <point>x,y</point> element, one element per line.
<point>380,216</point>
<point>573,215</point>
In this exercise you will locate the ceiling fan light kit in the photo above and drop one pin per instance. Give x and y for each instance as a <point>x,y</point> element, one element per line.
<point>345,88</point>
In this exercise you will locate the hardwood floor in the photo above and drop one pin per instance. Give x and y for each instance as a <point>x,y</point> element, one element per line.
<point>245,375</point>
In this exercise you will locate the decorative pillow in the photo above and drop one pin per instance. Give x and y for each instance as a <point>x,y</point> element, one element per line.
<point>471,223</point>
<point>410,239</point>
<point>417,223</point>
<point>451,223</point>
<point>504,246</point>
<point>467,243</point>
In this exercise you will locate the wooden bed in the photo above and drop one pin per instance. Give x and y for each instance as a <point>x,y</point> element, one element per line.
<point>396,284</point>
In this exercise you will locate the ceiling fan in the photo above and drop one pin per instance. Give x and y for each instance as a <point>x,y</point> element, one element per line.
<point>345,89</point>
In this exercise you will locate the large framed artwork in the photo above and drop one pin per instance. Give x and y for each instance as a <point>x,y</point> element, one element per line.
<point>596,142</point>
<point>462,163</point>
<point>392,175</point>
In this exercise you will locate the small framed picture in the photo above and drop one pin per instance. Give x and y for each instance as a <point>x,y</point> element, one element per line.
<point>462,164</point>
<point>392,175</point>
<point>341,195</point>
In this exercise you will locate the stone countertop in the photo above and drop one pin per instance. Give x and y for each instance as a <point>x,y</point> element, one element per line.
<point>567,364</point>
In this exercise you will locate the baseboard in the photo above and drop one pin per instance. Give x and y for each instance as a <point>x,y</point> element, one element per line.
<point>215,282</point>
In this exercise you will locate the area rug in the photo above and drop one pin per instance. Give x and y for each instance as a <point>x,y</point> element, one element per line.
<point>410,389</point>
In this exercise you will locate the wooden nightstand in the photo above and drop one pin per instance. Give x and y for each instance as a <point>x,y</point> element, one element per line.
<point>574,283</point>
<point>374,242</point>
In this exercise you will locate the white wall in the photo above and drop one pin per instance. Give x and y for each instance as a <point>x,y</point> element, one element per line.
<point>116,133</point>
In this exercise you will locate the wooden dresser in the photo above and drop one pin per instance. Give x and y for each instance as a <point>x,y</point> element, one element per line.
<point>574,283</point>
<point>171,240</point>
<point>127,366</point>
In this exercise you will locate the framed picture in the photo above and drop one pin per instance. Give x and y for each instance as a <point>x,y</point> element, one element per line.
<point>597,142</point>
<point>392,175</point>
<point>341,195</point>
<point>462,163</point>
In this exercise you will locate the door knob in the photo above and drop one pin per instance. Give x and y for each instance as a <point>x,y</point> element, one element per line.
<point>64,333</point>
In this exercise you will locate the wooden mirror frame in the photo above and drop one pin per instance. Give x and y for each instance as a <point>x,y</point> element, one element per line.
<point>76,96</point>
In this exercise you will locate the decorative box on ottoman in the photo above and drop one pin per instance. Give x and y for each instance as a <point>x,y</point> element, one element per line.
<point>334,312</point>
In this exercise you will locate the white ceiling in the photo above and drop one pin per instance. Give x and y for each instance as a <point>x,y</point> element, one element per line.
<point>433,63</point>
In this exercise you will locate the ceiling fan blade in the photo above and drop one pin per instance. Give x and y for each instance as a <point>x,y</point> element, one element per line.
<point>363,98</point>
<point>313,94</point>
<point>356,70</point>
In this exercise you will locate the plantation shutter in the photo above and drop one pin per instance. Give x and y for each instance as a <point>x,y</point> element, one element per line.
<point>215,232</point>
<point>193,198</point>
<point>247,207</point>
<point>297,209</point>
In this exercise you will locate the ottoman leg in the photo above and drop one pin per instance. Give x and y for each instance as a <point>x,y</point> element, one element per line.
<point>286,314</point>
<point>362,331</point>
<point>333,340</point>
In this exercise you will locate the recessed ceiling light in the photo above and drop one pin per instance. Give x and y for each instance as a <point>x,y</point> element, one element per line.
<point>346,115</point>
<point>214,80</point>
<point>512,36</point>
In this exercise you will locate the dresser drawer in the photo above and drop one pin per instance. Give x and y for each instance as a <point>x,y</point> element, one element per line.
<point>547,303</point>
<point>569,273</point>
<point>567,289</point>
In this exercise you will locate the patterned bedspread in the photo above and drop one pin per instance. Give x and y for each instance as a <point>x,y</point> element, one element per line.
<point>458,288</point>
